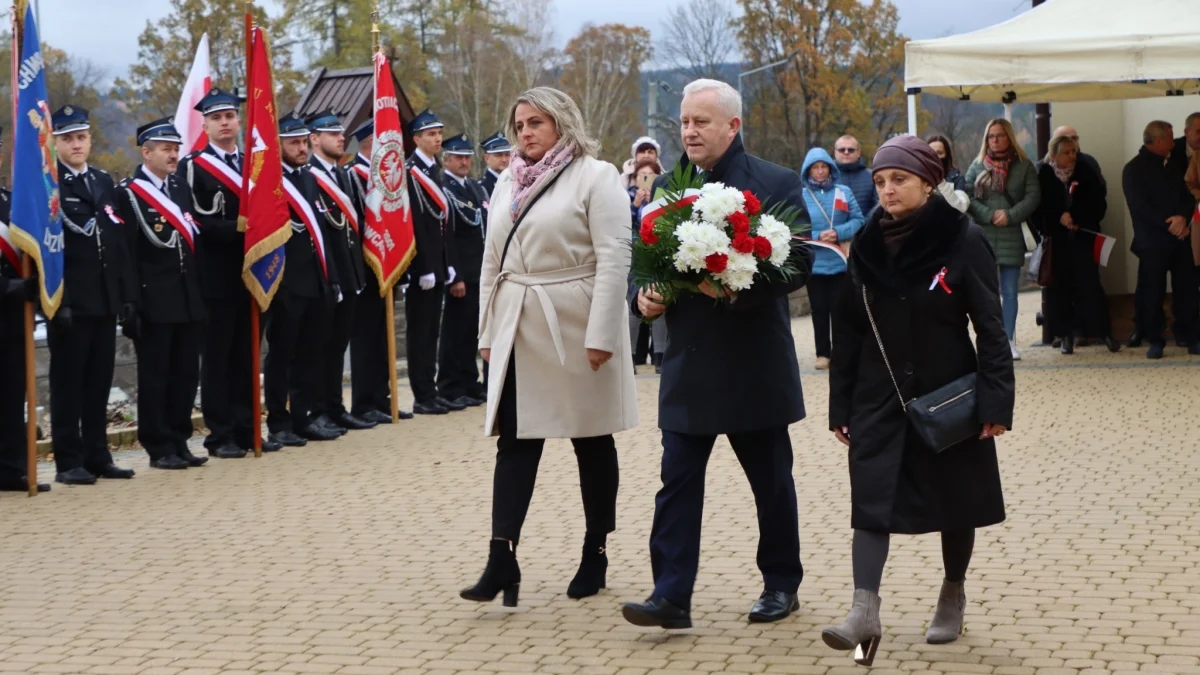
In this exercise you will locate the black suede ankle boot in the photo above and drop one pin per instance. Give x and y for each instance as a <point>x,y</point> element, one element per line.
<point>593,568</point>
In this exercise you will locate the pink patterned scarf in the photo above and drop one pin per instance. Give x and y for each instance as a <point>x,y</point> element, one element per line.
<point>532,178</point>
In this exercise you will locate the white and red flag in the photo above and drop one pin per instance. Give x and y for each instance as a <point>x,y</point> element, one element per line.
<point>188,121</point>
<point>388,242</point>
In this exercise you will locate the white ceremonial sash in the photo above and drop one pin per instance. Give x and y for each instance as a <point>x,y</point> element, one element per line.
<point>182,222</point>
<point>8,248</point>
<point>221,171</point>
<point>431,188</point>
<point>338,196</point>
<point>301,206</point>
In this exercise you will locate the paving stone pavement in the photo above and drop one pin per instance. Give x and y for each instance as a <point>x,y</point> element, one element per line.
<point>347,557</point>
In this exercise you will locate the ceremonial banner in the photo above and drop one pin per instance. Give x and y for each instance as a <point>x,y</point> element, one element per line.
<point>36,226</point>
<point>388,242</point>
<point>263,213</point>
<point>188,121</point>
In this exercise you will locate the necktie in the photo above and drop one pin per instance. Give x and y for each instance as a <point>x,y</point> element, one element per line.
<point>232,160</point>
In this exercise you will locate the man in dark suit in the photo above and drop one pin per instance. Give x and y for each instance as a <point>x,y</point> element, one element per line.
<point>433,266</point>
<point>458,372</point>
<point>97,289</point>
<point>730,368</point>
<point>1187,144</point>
<point>162,235</point>
<point>497,152</point>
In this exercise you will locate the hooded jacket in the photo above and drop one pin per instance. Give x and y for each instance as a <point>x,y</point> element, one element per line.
<point>837,204</point>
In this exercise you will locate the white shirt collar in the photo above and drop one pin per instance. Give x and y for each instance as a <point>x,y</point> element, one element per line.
<point>81,171</point>
<point>365,160</point>
<point>288,169</point>
<point>328,167</point>
<point>493,173</point>
<point>461,181</point>
<point>154,180</point>
<point>224,155</point>
<point>429,161</point>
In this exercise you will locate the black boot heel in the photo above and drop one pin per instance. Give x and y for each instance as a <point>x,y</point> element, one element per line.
<point>510,595</point>
<point>593,568</point>
<point>501,574</point>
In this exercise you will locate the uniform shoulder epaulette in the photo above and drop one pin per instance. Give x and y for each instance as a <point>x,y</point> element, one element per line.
<point>125,182</point>
<point>191,155</point>
<point>101,171</point>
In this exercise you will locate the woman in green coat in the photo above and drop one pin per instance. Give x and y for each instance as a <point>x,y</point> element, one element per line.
<point>1005,192</point>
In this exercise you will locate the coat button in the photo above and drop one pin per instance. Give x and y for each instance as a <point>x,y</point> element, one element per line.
<point>908,369</point>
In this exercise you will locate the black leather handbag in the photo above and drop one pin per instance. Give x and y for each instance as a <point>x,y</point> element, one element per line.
<point>945,416</point>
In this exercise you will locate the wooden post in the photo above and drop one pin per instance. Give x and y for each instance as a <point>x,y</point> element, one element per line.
<point>255,332</point>
<point>391,351</point>
<point>30,387</point>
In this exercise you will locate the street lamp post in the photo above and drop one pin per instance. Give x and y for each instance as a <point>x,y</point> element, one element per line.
<point>769,66</point>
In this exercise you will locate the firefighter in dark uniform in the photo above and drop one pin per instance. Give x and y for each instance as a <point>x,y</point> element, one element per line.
<point>14,293</point>
<point>162,234</point>
<point>458,372</point>
<point>344,245</point>
<point>97,290</point>
<point>298,329</point>
<point>497,152</point>
<point>432,268</point>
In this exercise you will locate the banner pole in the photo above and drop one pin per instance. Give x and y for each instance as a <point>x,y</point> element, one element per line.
<point>255,329</point>
<point>26,273</point>
<point>391,350</point>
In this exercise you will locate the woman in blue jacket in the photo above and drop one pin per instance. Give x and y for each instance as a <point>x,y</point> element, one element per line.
<point>836,217</point>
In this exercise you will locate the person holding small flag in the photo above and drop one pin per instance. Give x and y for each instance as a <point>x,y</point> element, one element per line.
<point>162,232</point>
<point>99,288</point>
<point>497,152</point>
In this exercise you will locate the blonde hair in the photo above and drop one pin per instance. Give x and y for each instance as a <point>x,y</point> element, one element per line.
<point>1012,139</point>
<point>567,118</point>
<point>1056,144</point>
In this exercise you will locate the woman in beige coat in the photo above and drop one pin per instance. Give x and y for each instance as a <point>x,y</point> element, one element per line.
<point>552,326</point>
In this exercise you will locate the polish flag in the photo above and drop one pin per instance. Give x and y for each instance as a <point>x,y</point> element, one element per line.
<point>840,203</point>
<point>1102,247</point>
<point>188,121</point>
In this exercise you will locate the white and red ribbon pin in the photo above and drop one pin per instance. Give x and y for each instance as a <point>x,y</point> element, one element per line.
<point>939,279</point>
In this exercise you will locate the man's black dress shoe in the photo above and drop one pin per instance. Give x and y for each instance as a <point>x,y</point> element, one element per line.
<point>348,421</point>
<point>1067,346</point>
<point>112,471</point>
<point>270,445</point>
<point>431,408</point>
<point>1112,344</point>
<point>170,463</point>
<point>223,451</point>
<point>656,612</point>
<point>1194,348</point>
<point>20,484</point>
<point>449,405</point>
<point>323,422</point>
<point>76,476</point>
<point>288,438</point>
<point>186,455</point>
<point>376,416</point>
<point>402,414</point>
<point>1155,351</point>
<point>313,432</point>
<point>1135,339</point>
<point>467,401</point>
<point>773,606</point>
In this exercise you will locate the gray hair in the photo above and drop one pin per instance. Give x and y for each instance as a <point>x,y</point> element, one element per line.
<point>1056,144</point>
<point>1155,130</point>
<point>562,109</point>
<point>727,97</point>
<point>1191,118</point>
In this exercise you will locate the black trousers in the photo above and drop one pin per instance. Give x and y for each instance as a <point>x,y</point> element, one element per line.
<point>12,389</point>
<point>517,465</point>
<point>168,376</point>
<point>824,290</point>
<point>332,401</point>
<point>1076,299</point>
<point>225,385</point>
<point>1153,267</point>
<point>458,372</point>
<point>370,387</point>
<point>81,374</point>
<point>298,336</point>
<point>423,310</point>
<point>766,457</point>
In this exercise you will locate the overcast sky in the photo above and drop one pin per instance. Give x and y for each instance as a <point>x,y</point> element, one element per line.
<point>106,32</point>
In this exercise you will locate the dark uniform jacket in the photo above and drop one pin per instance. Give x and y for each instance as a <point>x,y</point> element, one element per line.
<point>342,241</point>
<point>467,200</point>
<point>488,181</point>
<point>95,254</point>
<point>164,265</point>
<point>303,276</point>
<point>1154,191</point>
<point>432,227</point>
<point>8,271</point>
<point>221,248</point>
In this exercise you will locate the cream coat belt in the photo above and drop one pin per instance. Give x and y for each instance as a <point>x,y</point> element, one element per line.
<point>536,282</point>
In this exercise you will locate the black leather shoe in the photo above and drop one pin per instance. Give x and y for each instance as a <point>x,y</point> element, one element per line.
<point>323,422</point>
<point>431,408</point>
<point>773,606</point>
<point>1135,339</point>
<point>313,432</point>
<point>76,476</point>
<point>113,471</point>
<point>224,451</point>
<point>1194,348</point>
<point>404,414</point>
<point>170,463</point>
<point>271,445</point>
<point>1113,345</point>
<point>449,405</point>
<point>348,421</point>
<point>288,438</point>
<point>1156,350</point>
<point>656,612</point>
<point>468,401</point>
<point>1068,345</point>
<point>20,484</point>
<point>376,416</point>
<point>186,455</point>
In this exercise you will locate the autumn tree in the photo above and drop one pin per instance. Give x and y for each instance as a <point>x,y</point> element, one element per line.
<point>530,40</point>
<point>602,72</point>
<point>698,37</point>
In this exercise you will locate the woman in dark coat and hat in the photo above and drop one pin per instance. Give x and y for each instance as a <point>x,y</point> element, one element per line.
<point>926,270</point>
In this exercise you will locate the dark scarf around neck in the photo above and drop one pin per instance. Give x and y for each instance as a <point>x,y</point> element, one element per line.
<point>902,252</point>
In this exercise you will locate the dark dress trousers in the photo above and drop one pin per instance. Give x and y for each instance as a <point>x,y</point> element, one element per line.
<point>731,369</point>
<point>97,287</point>
<point>458,371</point>
<point>12,365</point>
<point>423,308</point>
<point>897,484</point>
<point>225,384</point>
<point>171,312</point>
<point>370,385</point>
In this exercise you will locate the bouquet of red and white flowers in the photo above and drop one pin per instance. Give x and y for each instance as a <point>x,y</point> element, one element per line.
<point>713,233</point>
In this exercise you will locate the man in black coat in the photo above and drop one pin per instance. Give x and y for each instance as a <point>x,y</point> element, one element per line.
<point>729,368</point>
<point>1161,207</point>
<point>97,289</point>
<point>162,235</point>
<point>497,152</point>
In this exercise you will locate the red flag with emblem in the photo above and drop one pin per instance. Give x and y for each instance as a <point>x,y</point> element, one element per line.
<point>388,242</point>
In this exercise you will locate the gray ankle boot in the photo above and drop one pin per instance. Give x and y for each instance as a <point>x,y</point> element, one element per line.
<point>860,631</point>
<point>947,623</point>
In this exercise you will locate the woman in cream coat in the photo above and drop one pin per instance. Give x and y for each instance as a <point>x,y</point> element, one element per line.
<point>552,326</point>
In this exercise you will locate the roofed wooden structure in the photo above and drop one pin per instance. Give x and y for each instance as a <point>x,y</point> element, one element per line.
<point>348,94</point>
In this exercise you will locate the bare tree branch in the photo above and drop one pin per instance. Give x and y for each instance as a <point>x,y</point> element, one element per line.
<point>699,36</point>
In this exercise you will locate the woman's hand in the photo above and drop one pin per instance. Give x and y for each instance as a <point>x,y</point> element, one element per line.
<point>712,292</point>
<point>486,355</point>
<point>829,236</point>
<point>1000,218</point>
<point>843,435</point>
<point>650,303</point>
<point>598,357</point>
<point>992,431</point>
<point>1068,222</point>
<point>458,289</point>
<point>641,197</point>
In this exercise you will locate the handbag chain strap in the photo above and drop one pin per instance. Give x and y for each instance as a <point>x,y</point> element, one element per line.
<point>882,351</point>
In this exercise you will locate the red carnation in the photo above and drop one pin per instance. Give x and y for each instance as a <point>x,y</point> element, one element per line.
<point>753,206</point>
<point>716,262</point>
<point>647,234</point>
<point>740,223</point>
<point>743,243</point>
<point>762,247</point>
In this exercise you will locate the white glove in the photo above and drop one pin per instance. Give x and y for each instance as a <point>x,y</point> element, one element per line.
<point>427,281</point>
<point>452,276</point>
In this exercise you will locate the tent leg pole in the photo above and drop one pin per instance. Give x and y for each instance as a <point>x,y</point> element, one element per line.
<point>912,114</point>
<point>1008,107</point>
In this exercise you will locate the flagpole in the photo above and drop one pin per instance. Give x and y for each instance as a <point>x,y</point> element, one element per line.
<point>255,314</point>
<point>390,301</point>
<point>26,273</point>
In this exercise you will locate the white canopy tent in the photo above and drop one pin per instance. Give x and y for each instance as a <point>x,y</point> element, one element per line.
<point>1064,50</point>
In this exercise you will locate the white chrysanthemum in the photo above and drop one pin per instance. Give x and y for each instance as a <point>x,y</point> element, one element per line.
<point>780,237</point>
<point>716,202</point>
<point>697,241</point>
<point>739,273</point>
